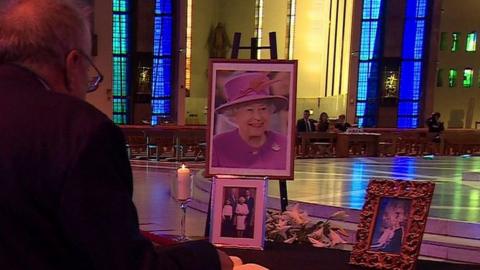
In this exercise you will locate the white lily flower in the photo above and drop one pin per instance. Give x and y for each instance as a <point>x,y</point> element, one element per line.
<point>336,239</point>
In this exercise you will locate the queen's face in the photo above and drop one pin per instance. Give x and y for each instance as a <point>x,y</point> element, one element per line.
<point>253,119</point>
<point>395,216</point>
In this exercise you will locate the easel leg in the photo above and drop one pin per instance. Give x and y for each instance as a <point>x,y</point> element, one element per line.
<point>283,194</point>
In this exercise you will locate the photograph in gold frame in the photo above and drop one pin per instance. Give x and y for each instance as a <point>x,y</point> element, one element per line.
<point>392,223</point>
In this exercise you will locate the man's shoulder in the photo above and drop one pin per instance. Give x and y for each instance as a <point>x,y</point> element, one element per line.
<point>79,114</point>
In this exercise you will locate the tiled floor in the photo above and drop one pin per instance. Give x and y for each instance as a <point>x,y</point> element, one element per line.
<point>337,182</point>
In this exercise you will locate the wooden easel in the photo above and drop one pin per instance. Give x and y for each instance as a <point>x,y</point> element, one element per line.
<point>253,55</point>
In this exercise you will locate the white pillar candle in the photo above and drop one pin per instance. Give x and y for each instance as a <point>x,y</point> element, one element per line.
<point>184,183</point>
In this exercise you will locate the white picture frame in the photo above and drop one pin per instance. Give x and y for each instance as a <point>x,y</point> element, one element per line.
<point>246,226</point>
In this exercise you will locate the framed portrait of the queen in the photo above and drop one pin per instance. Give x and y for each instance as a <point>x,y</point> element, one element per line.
<point>392,224</point>
<point>251,118</point>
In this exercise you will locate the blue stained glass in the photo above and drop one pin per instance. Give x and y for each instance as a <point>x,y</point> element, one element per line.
<point>408,108</point>
<point>361,108</point>
<point>360,122</point>
<point>162,43</point>
<point>407,122</point>
<point>416,9</point>
<point>369,41</point>
<point>162,74</point>
<point>410,80</point>
<point>371,9</point>
<point>413,39</point>
<point>370,48</point>
<point>161,108</point>
<point>411,67</point>
<point>163,6</point>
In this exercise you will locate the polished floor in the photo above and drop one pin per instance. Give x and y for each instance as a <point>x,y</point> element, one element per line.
<point>336,182</point>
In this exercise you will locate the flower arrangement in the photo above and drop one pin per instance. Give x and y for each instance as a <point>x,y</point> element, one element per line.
<point>295,226</point>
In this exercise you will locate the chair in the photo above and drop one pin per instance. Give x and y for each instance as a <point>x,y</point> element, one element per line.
<point>387,144</point>
<point>136,143</point>
<point>323,144</point>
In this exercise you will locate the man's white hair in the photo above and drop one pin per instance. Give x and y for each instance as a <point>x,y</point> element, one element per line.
<point>42,31</point>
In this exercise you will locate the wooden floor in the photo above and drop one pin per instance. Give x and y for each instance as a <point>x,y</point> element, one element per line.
<point>336,182</point>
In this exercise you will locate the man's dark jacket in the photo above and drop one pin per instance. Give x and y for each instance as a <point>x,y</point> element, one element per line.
<point>302,125</point>
<point>66,187</point>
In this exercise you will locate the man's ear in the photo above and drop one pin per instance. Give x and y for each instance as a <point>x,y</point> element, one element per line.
<point>73,64</point>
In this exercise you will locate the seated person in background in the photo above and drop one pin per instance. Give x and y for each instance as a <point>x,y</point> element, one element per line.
<point>306,124</point>
<point>435,126</point>
<point>433,123</point>
<point>323,123</point>
<point>341,124</point>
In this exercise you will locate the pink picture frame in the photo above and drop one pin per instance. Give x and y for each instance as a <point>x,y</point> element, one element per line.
<point>238,213</point>
<point>251,118</point>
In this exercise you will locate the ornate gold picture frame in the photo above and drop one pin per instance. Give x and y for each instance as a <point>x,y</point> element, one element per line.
<point>392,223</point>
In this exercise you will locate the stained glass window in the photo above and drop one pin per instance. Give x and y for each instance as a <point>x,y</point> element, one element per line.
<point>471,42</point>
<point>468,78</point>
<point>368,67</point>
<point>162,76</point>
<point>452,78</point>
<point>412,63</point>
<point>455,41</point>
<point>120,61</point>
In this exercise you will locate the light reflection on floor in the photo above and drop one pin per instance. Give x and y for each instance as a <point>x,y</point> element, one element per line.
<point>342,182</point>
<point>337,182</point>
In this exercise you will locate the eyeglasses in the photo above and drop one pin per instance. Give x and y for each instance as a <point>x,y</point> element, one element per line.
<point>95,80</point>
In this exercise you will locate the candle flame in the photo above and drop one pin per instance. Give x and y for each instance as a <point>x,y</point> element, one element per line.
<point>183,166</point>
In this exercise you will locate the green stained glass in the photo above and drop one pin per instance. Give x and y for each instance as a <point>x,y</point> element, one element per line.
<point>120,61</point>
<point>471,42</point>
<point>455,41</point>
<point>468,78</point>
<point>119,33</point>
<point>120,6</point>
<point>452,78</point>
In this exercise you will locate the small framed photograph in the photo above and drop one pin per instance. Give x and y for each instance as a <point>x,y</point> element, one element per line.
<point>392,224</point>
<point>251,118</point>
<point>238,213</point>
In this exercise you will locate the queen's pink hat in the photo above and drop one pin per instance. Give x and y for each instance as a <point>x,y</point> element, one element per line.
<point>251,86</point>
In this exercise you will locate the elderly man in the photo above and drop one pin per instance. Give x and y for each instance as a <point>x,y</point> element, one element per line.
<point>66,183</point>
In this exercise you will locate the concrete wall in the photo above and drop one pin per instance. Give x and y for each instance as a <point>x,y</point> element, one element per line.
<point>237,16</point>
<point>322,47</point>
<point>275,20</point>
<point>459,106</point>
